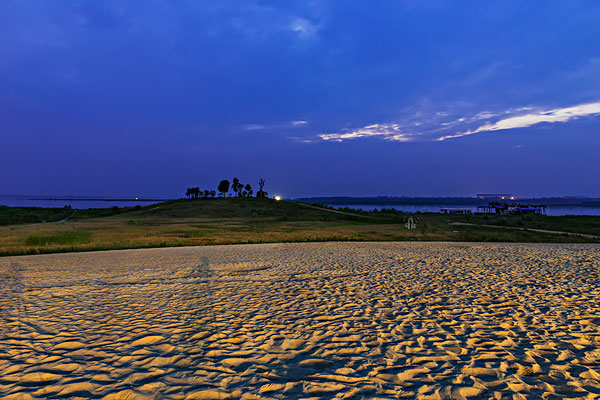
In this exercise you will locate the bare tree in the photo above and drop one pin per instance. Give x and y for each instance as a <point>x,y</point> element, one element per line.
<point>261,192</point>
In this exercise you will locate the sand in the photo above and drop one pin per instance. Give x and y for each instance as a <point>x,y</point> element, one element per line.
<point>316,320</point>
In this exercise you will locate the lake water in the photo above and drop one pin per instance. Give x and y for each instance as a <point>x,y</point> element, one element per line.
<point>22,201</point>
<point>555,210</point>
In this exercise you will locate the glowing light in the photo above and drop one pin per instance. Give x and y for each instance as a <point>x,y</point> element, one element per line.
<point>136,198</point>
<point>512,197</point>
<point>277,198</point>
<point>502,197</point>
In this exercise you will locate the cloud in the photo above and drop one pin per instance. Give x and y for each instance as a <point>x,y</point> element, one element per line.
<point>523,121</point>
<point>304,28</point>
<point>385,131</point>
<point>443,125</point>
<point>271,127</point>
<point>253,127</point>
<point>300,139</point>
<point>258,22</point>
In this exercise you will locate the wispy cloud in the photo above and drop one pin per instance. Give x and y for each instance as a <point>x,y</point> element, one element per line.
<point>443,125</point>
<point>303,28</point>
<point>253,127</point>
<point>259,22</point>
<point>280,126</point>
<point>385,131</point>
<point>300,139</point>
<point>533,118</point>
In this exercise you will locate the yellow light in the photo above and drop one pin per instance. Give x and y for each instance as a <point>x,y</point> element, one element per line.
<point>502,197</point>
<point>512,197</point>
<point>277,198</point>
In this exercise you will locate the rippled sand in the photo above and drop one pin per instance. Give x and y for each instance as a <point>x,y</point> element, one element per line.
<point>334,320</point>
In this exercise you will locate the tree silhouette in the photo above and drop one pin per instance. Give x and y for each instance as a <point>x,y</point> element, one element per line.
<point>237,187</point>
<point>192,192</point>
<point>248,190</point>
<point>223,187</point>
<point>261,192</point>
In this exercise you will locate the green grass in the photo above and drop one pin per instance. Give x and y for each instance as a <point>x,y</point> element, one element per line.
<point>194,234</point>
<point>99,212</point>
<point>60,238</point>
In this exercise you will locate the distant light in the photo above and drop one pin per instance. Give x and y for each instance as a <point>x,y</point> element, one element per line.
<point>136,198</point>
<point>502,197</point>
<point>512,197</point>
<point>277,198</point>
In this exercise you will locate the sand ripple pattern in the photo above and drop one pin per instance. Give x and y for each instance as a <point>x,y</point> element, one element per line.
<point>316,320</point>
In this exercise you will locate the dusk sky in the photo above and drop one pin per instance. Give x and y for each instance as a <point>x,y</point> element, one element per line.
<point>415,98</point>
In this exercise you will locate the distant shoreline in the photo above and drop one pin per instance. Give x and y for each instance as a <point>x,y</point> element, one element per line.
<point>466,201</point>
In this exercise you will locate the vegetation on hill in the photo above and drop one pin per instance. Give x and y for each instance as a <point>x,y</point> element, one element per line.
<point>238,190</point>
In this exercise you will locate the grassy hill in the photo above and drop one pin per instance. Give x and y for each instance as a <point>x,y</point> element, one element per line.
<point>233,208</point>
<point>252,220</point>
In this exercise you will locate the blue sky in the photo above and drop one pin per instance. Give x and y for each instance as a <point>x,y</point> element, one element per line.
<point>317,97</point>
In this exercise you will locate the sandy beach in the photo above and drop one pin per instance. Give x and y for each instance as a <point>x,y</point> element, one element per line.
<point>311,320</point>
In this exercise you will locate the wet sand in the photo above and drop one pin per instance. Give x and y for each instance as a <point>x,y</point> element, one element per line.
<point>316,320</point>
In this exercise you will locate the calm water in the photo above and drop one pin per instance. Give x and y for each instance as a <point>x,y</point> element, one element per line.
<point>13,201</point>
<point>413,208</point>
